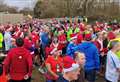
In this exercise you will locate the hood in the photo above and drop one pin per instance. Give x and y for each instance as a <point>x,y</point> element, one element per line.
<point>20,51</point>
<point>87,45</point>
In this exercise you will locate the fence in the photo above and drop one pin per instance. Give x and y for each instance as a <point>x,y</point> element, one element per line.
<point>12,18</point>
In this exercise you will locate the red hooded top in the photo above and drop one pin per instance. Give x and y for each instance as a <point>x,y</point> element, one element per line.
<point>18,63</point>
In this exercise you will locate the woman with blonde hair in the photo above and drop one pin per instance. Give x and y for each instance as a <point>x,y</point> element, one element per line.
<point>80,59</point>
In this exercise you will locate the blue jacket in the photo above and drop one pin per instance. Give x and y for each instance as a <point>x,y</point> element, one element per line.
<point>71,49</point>
<point>44,39</point>
<point>91,54</point>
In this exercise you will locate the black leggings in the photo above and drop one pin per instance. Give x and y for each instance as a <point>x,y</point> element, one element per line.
<point>29,80</point>
<point>108,81</point>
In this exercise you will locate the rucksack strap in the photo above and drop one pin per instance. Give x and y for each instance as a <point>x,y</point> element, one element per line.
<point>1,69</point>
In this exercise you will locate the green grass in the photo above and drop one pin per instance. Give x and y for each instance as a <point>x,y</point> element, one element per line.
<point>37,76</point>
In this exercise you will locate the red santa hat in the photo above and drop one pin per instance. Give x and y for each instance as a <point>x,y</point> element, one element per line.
<point>97,29</point>
<point>57,26</point>
<point>73,36</point>
<point>79,38</point>
<point>60,29</point>
<point>69,64</point>
<point>88,36</point>
<point>111,36</point>
<point>7,27</point>
<point>17,28</point>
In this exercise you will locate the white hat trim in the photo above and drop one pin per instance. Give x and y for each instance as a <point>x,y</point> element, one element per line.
<point>74,66</point>
<point>74,38</point>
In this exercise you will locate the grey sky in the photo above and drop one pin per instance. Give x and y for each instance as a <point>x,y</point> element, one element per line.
<point>21,3</point>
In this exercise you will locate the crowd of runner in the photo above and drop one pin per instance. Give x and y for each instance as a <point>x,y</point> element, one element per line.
<point>64,50</point>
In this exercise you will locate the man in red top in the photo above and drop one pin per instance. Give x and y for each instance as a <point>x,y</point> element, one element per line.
<point>35,37</point>
<point>18,63</point>
<point>62,40</point>
<point>54,65</point>
<point>28,42</point>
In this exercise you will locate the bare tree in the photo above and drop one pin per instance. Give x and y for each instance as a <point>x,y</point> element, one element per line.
<point>59,8</point>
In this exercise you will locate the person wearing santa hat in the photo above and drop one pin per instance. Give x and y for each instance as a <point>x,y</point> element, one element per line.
<point>82,26</point>
<point>72,45</point>
<point>55,44</point>
<point>62,40</point>
<point>52,44</point>
<point>69,32</point>
<point>35,46</point>
<point>71,70</point>
<point>7,38</point>
<point>111,35</point>
<point>18,32</point>
<point>28,44</point>
<point>54,65</point>
<point>92,63</point>
<point>100,44</point>
<point>44,39</point>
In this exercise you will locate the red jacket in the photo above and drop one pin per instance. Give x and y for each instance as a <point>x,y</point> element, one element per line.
<point>47,51</point>
<point>62,39</point>
<point>27,43</point>
<point>18,63</point>
<point>35,39</point>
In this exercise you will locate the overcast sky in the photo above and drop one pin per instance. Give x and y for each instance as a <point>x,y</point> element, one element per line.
<point>21,3</point>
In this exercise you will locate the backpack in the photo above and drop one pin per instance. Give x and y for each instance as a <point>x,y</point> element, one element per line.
<point>1,69</point>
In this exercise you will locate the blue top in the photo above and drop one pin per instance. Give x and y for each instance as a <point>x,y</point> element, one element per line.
<point>44,39</point>
<point>71,49</point>
<point>91,54</point>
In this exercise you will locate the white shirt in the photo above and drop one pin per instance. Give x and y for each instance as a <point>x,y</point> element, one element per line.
<point>113,63</point>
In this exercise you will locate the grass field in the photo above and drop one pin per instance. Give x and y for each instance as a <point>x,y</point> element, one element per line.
<point>37,76</point>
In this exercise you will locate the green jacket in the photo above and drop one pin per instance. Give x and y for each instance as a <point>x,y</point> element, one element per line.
<point>77,30</point>
<point>69,32</point>
<point>1,40</point>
